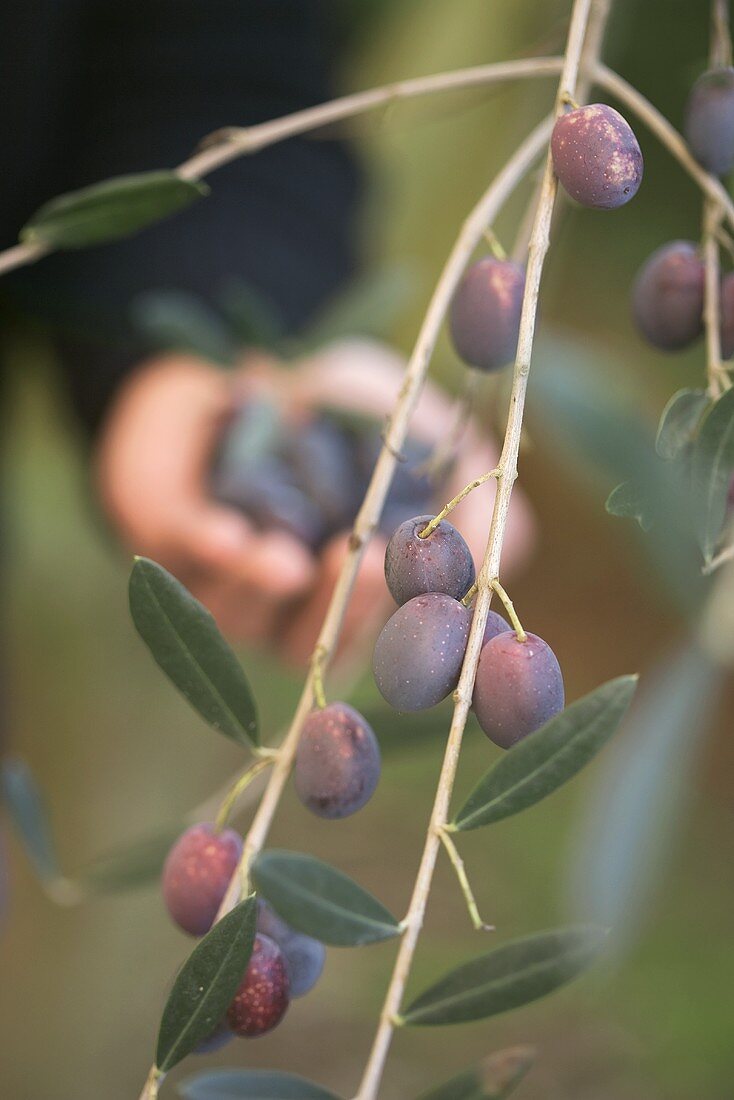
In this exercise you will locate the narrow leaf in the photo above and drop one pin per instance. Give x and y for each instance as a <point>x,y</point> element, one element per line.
<point>630,500</point>
<point>185,642</point>
<point>206,984</point>
<point>713,467</point>
<point>109,210</point>
<point>131,866</point>
<point>319,900</point>
<point>26,807</point>
<point>513,975</point>
<point>251,1084</point>
<point>679,421</point>
<point>639,794</point>
<point>544,761</point>
<point>493,1079</point>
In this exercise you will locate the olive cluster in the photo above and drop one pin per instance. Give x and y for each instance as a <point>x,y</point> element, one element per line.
<point>284,963</point>
<point>419,653</point>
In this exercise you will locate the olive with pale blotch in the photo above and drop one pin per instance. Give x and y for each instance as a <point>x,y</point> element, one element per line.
<point>419,653</point>
<point>304,956</point>
<point>337,764</point>
<point>484,318</point>
<point>596,156</point>
<point>263,996</point>
<point>709,121</point>
<point>196,874</point>
<point>440,562</point>
<point>668,294</point>
<point>519,687</point>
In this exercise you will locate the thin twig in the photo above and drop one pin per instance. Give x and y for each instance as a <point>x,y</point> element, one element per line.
<point>413,922</point>
<point>725,555</point>
<point>461,495</point>
<point>458,864</point>
<point>510,609</point>
<point>231,142</point>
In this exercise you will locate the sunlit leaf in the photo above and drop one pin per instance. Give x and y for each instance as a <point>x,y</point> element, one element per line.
<point>321,901</point>
<point>493,1079</point>
<point>206,984</point>
<point>510,976</point>
<point>548,758</point>
<point>130,866</point>
<point>713,468</point>
<point>185,642</point>
<point>251,1084</point>
<point>26,807</point>
<point>183,321</point>
<point>679,421</point>
<point>111,209</point>
<point>638,795</point>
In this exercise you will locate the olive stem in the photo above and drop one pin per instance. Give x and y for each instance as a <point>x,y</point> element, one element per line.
<point>510,609</point>
<point>720,53</point>
<point>569,101</point>
<point>539,244</point>
<point>467,599</point>
<point>317,673</point>
<point>152,1084</point>
<point>495,244</point>
<point>725,555</point>
<point>458,864</point>
<point>241,784</point>
<point>433,524</point>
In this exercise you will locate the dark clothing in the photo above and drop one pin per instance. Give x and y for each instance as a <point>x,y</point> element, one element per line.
<point>95,88</point>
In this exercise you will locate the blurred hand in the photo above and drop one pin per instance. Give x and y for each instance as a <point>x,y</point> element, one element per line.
<point>155,452</point>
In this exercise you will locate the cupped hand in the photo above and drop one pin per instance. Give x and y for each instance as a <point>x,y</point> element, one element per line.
<point>265,587</point>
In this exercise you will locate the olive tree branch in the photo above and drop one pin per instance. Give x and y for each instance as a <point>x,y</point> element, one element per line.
<point>489,572</point>
<point>369,513</point>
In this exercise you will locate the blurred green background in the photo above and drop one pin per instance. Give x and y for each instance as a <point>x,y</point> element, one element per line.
<point>119,753</point>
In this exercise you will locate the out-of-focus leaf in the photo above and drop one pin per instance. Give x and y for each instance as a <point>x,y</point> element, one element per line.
<point>638,795</point>
<point>111,209</point>
<point>628,500</point>
<point>548,758</point>
<point>206,984</point>
<point>131,866</point>
<point>367,308</point>
<point>513,975</point>
<point>317,899</point>
<point>185,642</point>
<point>177,319</point>
<point>251,1084</point>
<point>25,805</point>
<point>600,433</point>
<point>679,421</point>
<point>493,1079</point>
<point>713,468</point>
<point>255,321</point>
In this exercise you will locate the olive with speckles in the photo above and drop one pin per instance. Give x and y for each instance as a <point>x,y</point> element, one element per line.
<point>337,762</point>
<point>484,318</point>
<point>667,296</point>
<point>441,562</point>
<point>419,653</point>
<point>596,156</point>
<point>262,998</point>
<point>196,875</point>
<point>519,687</point>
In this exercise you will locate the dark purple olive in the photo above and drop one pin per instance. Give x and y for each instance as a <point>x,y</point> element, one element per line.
<point>518,688</point>
<point>441,562</point>
<point>304,956</point>
<point>263,996</point>
<point>596,156</point>
<point>667,296</point>
<point>709,121</point>
<point>484,318</point>
<point>337,761</point>
<point>196,875</point>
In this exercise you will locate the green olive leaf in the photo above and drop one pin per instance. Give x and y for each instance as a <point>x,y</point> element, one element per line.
<point>317,899</point>
<point>713,468</point>
<point>109,210</point>
<point>206,984</point>
<point>186,644</point>
<point>493,1079</point>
